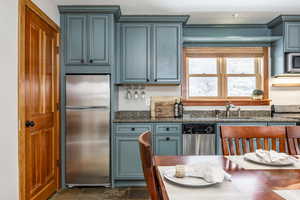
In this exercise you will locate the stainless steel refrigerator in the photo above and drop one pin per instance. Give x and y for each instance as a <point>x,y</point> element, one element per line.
<point>87,130</point>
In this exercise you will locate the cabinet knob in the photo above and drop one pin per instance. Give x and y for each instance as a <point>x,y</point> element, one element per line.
<point>167,129</point>
<point>132,129</point>
<point>155,80</point>
<point>147,79</point>
<point>167,138</point>
<point>82,61</point>
<point>29,124</point>
<point>91,61</point>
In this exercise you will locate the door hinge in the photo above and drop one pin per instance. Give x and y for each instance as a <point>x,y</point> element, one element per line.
<point>57,106</point>
<point>57,50</point>
<point>58,163</point>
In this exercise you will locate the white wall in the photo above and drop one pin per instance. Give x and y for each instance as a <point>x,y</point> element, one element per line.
<point>140,104</point>
<point>285,95</point>
<point>279,96</point>
<point>8,100</point>
<point>49,7</point>
<point>9,93</point>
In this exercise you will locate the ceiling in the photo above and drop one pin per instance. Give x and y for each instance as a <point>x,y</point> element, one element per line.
<point>203,11</point>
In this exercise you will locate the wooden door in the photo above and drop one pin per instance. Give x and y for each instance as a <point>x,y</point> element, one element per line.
<point>42,119</point>
<point>76,34</point>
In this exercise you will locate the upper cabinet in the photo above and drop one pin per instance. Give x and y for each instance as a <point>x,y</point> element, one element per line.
<point>288,27</point>
<point>99,39</point>
<point>88,38</point>
<point>135,53</point>
<point>150,53</point>
<point>75,39</point>
<point>292,37</point>
<point>149,49</point>
<point>167,53</point>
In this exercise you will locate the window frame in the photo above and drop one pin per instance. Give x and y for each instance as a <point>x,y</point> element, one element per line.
<point>221,53</point>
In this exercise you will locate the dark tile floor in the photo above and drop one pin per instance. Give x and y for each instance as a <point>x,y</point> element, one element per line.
<point>99,193</point>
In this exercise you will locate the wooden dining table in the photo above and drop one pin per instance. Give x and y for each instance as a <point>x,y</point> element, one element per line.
<point>257,184</point>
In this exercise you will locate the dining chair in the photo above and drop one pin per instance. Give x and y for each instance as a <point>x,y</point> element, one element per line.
<point>148,165</point>
<point>238,140</point>
<point>293,136</point>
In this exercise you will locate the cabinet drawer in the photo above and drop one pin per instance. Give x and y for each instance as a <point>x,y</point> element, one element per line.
<point>168,145</point>
<point>132,128</point>
<point>168,129</point>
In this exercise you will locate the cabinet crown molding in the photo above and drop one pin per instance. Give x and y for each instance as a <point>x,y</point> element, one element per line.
<point>106,9</point>
<point>155,18</point>
<point>283,18</point>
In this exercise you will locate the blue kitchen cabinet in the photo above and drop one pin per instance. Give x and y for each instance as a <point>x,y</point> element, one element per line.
<point>100,35</point>
<point>149,53</point>
<point>127,160</point>
<point>292,37</point>
<point>75,39</point>
<point>167,53</point>
<point>281,124</point>
<point>167,145</point>
<point>135,53</point>
<point>88,39</point>
<point>126,155</point>
<point>167,139</point>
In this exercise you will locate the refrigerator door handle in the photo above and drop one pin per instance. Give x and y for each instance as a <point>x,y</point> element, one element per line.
<point>86,107</point>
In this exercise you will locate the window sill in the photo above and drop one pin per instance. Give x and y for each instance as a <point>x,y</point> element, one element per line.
<point>223,102</point>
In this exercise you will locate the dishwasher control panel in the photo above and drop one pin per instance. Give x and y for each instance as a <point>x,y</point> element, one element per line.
<point>198,129</point>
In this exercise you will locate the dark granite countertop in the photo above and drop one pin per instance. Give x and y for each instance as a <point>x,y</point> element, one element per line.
<point>207,116</point>
<point>203,119</point>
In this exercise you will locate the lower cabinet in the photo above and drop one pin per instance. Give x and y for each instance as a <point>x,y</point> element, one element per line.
<point>167,145</point>
<point>127,158</point>
<point>126,162</point>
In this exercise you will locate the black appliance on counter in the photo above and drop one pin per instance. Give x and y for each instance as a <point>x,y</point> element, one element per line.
<point>199,139</point>
<point>286,111</point>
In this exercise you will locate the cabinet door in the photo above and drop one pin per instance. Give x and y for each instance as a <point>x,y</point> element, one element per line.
<point>167,145</point>
<point>282,124</point>
<point>292,37</point>
<point>99,39</point>
<point>167,53</point>
<point>75,39</point>
<point>127,158</point>
<point>135,53</point>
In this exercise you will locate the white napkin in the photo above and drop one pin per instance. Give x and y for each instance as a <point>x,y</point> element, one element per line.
<point>210,173</point>
<point>272,156</point>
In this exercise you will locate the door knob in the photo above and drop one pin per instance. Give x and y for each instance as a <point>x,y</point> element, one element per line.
<point>29,123</point>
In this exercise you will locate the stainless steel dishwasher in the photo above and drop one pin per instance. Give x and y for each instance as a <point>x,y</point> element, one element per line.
<point>199,139</point>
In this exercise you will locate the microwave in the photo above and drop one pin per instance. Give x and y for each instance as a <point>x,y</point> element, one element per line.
<point>293,62</point>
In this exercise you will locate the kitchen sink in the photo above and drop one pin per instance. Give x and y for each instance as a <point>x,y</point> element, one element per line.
<point>236,118</point>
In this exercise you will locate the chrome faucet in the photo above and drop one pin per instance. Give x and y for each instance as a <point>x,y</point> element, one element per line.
<point>228,107</point>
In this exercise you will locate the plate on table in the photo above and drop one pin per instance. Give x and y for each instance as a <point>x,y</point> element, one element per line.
<point>252,157</point>
<point>186,181</point>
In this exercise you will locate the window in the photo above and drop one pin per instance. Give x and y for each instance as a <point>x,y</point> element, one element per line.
<point>222,75</point>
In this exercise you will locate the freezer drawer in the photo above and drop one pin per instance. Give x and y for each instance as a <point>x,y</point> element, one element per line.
<point>87,147</point>
<point>88,90</point>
